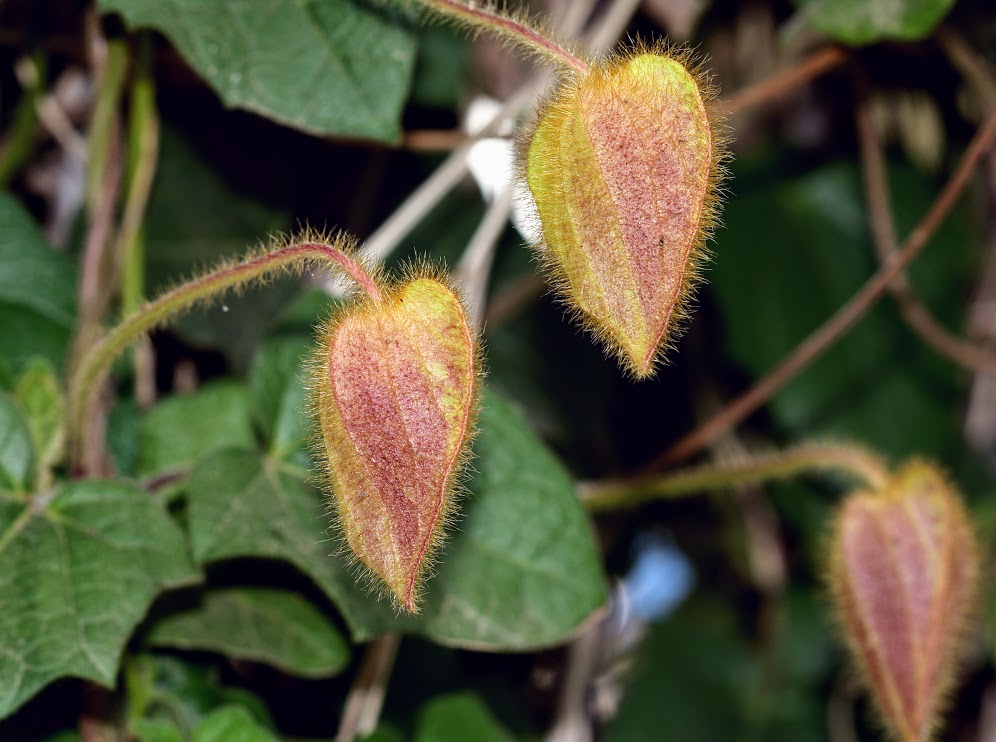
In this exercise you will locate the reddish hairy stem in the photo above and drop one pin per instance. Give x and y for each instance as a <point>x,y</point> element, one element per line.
<point>511,28</point>
<point>89,373</point>
<point>840,322</point>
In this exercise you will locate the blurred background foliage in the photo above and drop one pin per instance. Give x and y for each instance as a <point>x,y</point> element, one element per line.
<point>329,113</point>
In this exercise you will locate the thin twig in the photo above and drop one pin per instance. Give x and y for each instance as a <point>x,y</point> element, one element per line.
<point>842,320</point>
<point>912,309</point>
<point>366,697</point>
<point>474,268</point>
<point>49,112</point>
<point>969,62</point>
<point>777,85</point>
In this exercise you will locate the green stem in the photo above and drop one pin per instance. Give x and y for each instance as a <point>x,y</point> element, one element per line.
<point>20,143</point>
<point>807,457</point>
<point>108,96</point>
<point>89,373</point>
<point>514,28</point>
<point>143,153</point>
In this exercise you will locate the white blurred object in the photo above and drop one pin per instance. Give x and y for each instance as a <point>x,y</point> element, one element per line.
<point>491,162</point>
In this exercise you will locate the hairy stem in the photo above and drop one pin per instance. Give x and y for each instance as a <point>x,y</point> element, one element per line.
<point>89,373</point>
<point>513,28</point>
<point>808,457</point>
<point>842,320</point>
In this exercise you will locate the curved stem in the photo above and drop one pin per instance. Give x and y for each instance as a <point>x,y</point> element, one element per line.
<point>850,459</point>
<point>841,321</point>
<point>913,310</point>
<point>516,29</point>
<point>89,373</point>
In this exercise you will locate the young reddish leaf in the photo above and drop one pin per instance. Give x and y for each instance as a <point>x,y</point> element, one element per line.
<point>623,165</point>
<point>396,384</point>
<point>903,569</point>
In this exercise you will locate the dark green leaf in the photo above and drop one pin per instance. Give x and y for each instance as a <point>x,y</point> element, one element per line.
<point>271,626</point>
<point>178,692</point>
<point>37,292</point>
<point>278,384</point>
<point>78,569</point>
<point>520,570</point>
<point>181,429</point>
<point>459,716</point>
<point>39,397</point>
<point>232,724</point>
<point>154,730</point>
<point>440,67</point>
<point>697,677</point>
<point>866,21</point>
<point>325,66</point>
<point>16,452</point>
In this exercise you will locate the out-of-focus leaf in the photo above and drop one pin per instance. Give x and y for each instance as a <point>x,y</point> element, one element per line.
<point>791,253</point>
<point>16,451</point>
<point>37,292</point>
<point>440,67</point>
<point>39,397</point>
<point>278,387</point>
<point>181,429</point>
<point>194,218</point>
<point>867,21</point>
<point>179,693</point>
<point>459,716</point>
<point>336,67</point>
<point>520,570</point>
<point>79,567</point>
<point>155,730</point>
<point>697,677</point>
<point>276,627</point>
<point>232,724</point>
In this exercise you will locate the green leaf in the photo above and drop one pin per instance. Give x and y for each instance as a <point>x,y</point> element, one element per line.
<point>180,693</point>
<point>37,292</point>
<point>334,67</point>
<point>16,452</point>
<point>878,384</point>
<point>277,385</point>
<point>276,627</point>
<point>232,724</point>
<point>79,567</point>
<point>181,429</point>
<point>867,21</point>
<point>520,570</point>
<point>459,716</point>
<point>697,676</point>
<point>154,730</point>
<point>39,397</point>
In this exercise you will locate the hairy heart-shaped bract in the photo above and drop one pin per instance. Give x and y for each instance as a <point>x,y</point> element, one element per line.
<point>623,164</point>
<point>903,567</point>
<point>396,382</point>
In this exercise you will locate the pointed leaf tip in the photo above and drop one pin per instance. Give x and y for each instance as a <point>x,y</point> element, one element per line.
<point>903,571</point>
<point>397,393</point>
<point>620,166</point>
